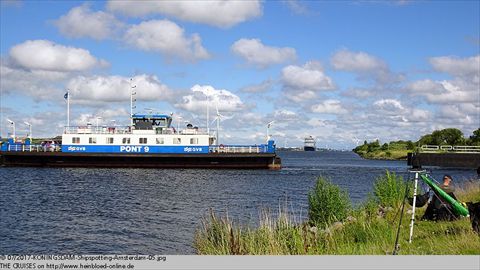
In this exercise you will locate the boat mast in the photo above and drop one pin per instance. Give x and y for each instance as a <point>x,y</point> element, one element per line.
<point>208,118</point>
<point>132,93</point>
<point>268,128</point>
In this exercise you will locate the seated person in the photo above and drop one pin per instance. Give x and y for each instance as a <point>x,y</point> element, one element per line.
<point>438,208</point>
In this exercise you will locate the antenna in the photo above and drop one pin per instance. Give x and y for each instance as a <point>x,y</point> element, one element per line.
<point>218,122</point>
<point>30,130</point>
<point>268,128</point>
<point>13,126</point>
<point>132,100</point>
<point>67,96</point>
<point>208,117</point>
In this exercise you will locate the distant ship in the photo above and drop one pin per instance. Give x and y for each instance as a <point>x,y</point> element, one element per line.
<point>309,144</point>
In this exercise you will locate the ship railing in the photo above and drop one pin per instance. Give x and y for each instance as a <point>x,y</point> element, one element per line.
<point>238,149</point>
<point>128,130</point>
<point>33,148</point>
<point>450,149</point>
<point>97,130</point>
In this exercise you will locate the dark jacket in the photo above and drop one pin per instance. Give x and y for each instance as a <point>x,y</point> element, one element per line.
<point>438,208</point>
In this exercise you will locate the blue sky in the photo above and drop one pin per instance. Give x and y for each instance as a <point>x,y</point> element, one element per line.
<point>342,71</point>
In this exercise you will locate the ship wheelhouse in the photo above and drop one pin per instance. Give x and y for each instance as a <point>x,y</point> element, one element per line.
<point>158,123</point>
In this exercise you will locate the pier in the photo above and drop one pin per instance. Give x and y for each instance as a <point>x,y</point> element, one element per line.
<point>445,156</point>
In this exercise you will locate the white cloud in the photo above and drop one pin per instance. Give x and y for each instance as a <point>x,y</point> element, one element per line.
<point>49,56</point>
<point>358,93</point>
<point>300,96</point>
<point>356,61</point>
<point>82,22</point>
<point>394,110</point>
<point>457,66</point>
<point>196,101</point>
<point>424,86</point>
<point>389,105</point>
<point>37,84</point>
<point>256,53</point>
<point>365,65</point>
<point>222,14</point>
<point>105,117</point>
<point>456,101</point>
<point>301,83</point>
<point>167,38</point>
<point>297,7</point>
<point>465,114</point>
<point>95,89</point>
<point>454,91</point>
<point>284,115</point>
<point>262,87</point>
<point>307,77</point>
<point>329,106</point>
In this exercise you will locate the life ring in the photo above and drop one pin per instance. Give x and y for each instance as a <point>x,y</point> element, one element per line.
<point>221,146</point>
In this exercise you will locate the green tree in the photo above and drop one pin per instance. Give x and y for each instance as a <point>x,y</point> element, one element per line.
<point>448,136</point>
<point>475,138</point>
<point>452,136</point>
<point>425,139</point>
<point>373,146</point>
<point>410,145</point>
<point>384,146</point>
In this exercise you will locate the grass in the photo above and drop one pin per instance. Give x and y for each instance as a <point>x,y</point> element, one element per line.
<point>327,203</point>
<point>368,229</point>
<point>389,190</point>
<point>385,154</point>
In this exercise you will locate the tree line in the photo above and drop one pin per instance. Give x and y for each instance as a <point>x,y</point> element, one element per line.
<point>448,136</point>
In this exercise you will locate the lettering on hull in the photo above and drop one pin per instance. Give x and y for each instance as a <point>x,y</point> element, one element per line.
<point>134,149</point>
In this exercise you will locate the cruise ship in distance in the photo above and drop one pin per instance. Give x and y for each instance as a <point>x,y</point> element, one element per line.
<point>309,144</point>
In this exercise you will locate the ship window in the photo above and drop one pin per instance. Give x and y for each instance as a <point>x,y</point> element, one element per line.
<point>177,140</point>
<point>194,141</point>
<point>160,140</point>
<point>143,140</point>
<point>109,140</point>
<point>92,140</point>
<point>125,140</point>
<point>76,140</point>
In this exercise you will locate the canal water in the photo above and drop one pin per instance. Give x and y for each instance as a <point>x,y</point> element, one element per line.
<point>156,211</point>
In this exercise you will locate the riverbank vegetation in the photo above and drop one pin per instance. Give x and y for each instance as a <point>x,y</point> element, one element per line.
<point>397,150</point>
<point>336,227</point>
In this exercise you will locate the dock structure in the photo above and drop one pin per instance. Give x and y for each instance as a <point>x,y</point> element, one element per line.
<point>445,156</point>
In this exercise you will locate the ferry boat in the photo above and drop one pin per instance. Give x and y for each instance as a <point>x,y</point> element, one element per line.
<point>149,142</point>
<point>309,144</point>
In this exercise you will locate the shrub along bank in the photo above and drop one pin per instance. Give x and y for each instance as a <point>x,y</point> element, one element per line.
<point>335,227</point>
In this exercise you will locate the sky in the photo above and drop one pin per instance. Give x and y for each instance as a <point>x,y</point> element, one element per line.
<point>341,71</point>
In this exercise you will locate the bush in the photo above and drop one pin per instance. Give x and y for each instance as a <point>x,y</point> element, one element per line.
<point>384,146</point>
<point>327,203</point>
<point>389,190</point>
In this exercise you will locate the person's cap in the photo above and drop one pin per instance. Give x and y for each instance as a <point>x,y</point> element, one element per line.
<point>447,175</point>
